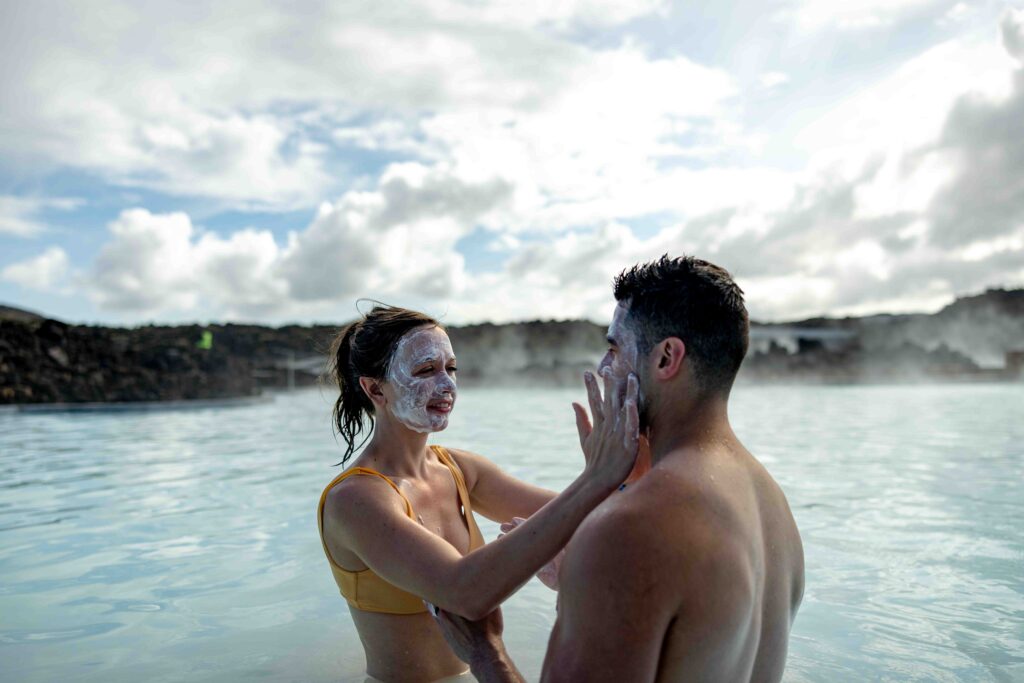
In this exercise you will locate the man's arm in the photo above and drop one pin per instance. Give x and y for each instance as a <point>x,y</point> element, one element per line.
<point>479,644</point>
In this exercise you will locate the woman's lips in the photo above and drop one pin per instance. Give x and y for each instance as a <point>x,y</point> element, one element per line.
<point>444,407</point>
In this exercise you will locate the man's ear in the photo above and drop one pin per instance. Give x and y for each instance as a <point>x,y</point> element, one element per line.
<point>668,358</point>
<point>373,390</point>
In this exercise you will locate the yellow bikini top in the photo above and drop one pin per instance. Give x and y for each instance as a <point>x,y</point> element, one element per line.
<point>364,589</point>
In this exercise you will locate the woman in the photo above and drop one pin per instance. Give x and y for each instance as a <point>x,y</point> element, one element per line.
<point>397,526</point>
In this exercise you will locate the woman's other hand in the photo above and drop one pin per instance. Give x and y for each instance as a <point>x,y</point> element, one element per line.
<point>548,574</point>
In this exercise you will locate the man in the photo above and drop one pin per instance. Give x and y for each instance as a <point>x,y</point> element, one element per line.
<point>695,571</point>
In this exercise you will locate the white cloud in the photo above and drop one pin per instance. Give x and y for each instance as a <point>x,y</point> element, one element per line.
<point>562,14</point>
<point>504,242</point>
<point>842,238</point>
<point>227,103</point>
<point>396,240</point>
<point>568,277</point>
<point>983,140</point>
<point>554,147</point>
<point>45,272</point>
<point>773,79</point>
<point>912,149</point>
<point>237,277</point>
<point>149,264</point>
<point>853,14</point>
<point>906,110</point>
<point>241,112</point>
<point>957,13</point>
<point>161,264</point>
<point>601,147</point>
<point>602,138</point>
<point>1012,31</point>
<point>18,214</point>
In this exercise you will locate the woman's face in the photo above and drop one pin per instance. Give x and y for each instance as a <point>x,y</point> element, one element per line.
<point>422,377</point>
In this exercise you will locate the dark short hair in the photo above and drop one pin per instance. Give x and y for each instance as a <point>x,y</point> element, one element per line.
<point>364,348</point>
<point>696,301</point>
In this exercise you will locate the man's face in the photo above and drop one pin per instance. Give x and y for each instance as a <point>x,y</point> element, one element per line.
<point>422,380</point>
<point>623,352</point>
<point>623,355</point>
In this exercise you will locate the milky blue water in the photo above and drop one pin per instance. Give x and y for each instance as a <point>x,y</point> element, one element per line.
<point>181,545</point>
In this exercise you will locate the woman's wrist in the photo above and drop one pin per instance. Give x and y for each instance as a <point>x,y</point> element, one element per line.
<point>598,484</point>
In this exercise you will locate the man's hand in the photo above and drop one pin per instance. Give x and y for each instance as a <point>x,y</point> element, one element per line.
<point>611,443</point>
<point>479,644</point>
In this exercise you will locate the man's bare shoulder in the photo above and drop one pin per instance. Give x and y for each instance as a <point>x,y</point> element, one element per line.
<point>664,525</point>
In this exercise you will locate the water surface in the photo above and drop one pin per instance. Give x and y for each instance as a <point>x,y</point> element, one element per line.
<point>182,545</point>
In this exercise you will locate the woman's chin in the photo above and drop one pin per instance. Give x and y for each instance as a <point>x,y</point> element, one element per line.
<point>438,419</point>
<point>434,424</point>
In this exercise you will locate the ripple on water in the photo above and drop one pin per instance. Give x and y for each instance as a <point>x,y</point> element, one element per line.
<point>15,637</point>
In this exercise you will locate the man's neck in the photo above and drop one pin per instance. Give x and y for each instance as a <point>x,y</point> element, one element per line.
<point>689,427</point>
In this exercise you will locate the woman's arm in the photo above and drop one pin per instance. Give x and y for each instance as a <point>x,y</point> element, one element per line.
<point>500,497</point>
<point>411,557</point>
<point>495,494</point>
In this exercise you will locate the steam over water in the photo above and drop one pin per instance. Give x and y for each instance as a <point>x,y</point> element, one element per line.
<point>182,545</point>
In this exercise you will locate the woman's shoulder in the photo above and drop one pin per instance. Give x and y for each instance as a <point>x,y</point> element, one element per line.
<point>468,462</point>
<point>360,492</point>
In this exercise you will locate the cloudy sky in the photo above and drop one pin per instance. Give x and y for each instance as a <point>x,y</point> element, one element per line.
<point>501,161</point>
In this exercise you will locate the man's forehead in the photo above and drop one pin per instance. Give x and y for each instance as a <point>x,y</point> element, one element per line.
<point>618,330</point>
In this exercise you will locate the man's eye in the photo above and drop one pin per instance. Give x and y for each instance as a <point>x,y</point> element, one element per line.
<point>453,369</point>
<point>425,371</point>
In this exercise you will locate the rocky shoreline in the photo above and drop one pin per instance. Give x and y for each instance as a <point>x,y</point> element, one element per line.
<point>45,361</point>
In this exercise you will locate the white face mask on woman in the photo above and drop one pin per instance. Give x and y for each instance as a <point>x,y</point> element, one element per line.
<point>422,373</point>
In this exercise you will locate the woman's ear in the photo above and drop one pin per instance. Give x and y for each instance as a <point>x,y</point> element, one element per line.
<point>669,354</point>
<point>374,391</point>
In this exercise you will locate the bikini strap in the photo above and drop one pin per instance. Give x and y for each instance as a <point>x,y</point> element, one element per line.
<point>476,538</point>
<point>460,483</point>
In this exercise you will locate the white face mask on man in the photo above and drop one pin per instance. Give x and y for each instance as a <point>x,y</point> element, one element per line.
<point>623,355</point>
<point>422,373</point>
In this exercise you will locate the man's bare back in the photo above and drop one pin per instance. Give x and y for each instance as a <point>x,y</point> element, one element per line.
<point>692,573</point>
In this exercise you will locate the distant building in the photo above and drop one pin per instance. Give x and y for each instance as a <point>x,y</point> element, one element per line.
<point>1015,363</point>
<point>795,339</point>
